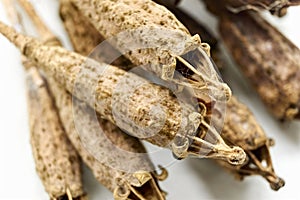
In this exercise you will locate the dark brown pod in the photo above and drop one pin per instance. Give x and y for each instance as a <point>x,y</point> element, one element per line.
<point>242,129</point>
<point>266,57</point>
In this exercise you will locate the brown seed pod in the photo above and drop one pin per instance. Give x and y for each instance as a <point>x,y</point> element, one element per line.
<point>242,129</point>
<point>266,57</point>
<point>150,35</point>
<point>106,88</point>
<point>87,38</point>
<point>57,162</point>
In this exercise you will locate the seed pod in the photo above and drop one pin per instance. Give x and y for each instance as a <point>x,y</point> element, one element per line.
<point>87,37</point>
<point>276,7</point>
<point>107,162</point>
<point>266,57</point>
<point>57,162</point>
<point>150,36</point>
<point>126,100</point>
<point>242,129</point>
<point>194,28</point>
<point>108,165</point>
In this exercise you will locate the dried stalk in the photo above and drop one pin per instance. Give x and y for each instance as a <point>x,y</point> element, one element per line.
<point>266,57</point>
<point>57,162</point>
<point>176,128</point>
<point>131,181</point>
<point>242,129</point>
<point>150,35</point>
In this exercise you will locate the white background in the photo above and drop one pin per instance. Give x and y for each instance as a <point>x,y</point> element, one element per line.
<point>189,179</point>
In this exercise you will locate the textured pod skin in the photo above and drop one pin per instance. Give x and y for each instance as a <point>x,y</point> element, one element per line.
<point>57,162</point>
<point>89,126</point>
<point>112,178</point>
<point>242,129</point>
<point>194,28</point>
<point>106,88</point>
<point>87,38</point>
<point>267,58</point>
<point>150,36</point>
<point>276,7</point>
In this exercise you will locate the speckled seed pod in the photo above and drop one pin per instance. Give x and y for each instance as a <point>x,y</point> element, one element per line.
<point>276,7</point>
<point>128,173</point>
<point>150,35</point>
<point>117,170</point>
<point>242,129</point>
<point>56,160</point>
<point>266,57</point>
<point>87,38</point>
<point>127,100</point>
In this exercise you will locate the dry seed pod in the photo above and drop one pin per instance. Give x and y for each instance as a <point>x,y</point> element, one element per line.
<point>115,169</point>
<point>87,37</point>
<point>242,129</point>
<point>120,171</point>
<point>57,162</point>
<point>150,35</point>
<point>102,85</point>
<point>266,57</point>
<point>276,7</point>
<point>194,28</point>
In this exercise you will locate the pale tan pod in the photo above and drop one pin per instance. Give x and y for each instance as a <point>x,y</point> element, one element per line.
<point>87,38</point>
<point>130,172</point>
<point>111,176</point>
<point>111,86</point>
<point>150,35</point>
<point>57,162</point>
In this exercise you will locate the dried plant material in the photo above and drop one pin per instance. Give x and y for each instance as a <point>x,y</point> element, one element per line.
<point>127,100</point>
<point>276,7</point>
<point>114,168</point>
<point>266,57</point>
<point>87,38</point>
<point>242,129</point>
<point>194,28</point>
<point>57,162</point>
<point>150,36</point>
<point>117,160</point>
